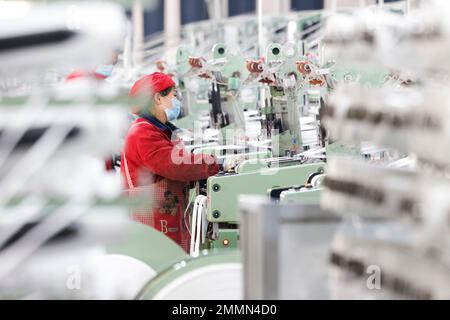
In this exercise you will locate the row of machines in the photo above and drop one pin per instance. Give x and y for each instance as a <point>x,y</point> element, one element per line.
<point>265,113</point>
<point>380,231</point>
<point>65,230</point>
<point>270,112</point>
<point>267,130</point>
<point>57,195</point>
<point>339,165</point>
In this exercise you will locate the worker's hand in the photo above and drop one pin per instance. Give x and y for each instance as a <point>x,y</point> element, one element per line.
<point>232,161</point>
<point>161,65</point>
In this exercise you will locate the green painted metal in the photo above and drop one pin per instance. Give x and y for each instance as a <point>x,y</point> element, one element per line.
<point>233,83</point>
<point>182,60</point>
<point>183,267</point>
<point>201,106</point>
<point>232,235</point>
<point>149,246</point>
<point>225,136</point>
<point>281,143</point>
<point>222,204</point>
<point>286,56</point>
<point>256,161</point>
<point>273,52</point>
<point>219,50</point>
<point>304,197</point>
<point>197,110</point>
<point>186,122</point>
<point>341,149</point>
<point>235,64</point>
<point>285,100</point>
<point>364,75</point>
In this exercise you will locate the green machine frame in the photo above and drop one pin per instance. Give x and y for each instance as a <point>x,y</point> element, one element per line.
<point>223,190</point>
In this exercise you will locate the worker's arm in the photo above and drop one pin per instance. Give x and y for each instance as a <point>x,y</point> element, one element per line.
<point>163,158</point>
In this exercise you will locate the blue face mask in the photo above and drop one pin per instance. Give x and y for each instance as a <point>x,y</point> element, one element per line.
<point>174,112</point>
<point>105,70</point>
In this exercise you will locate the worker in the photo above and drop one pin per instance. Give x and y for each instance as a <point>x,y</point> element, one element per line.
<point>100,73</point>
<point>153,156</point>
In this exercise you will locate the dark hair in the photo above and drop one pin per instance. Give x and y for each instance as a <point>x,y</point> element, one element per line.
<point>166,92</point>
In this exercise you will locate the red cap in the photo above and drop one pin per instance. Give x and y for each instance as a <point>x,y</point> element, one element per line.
<point>82,74</point>
<point>75,75</point>
<point>155,82</point>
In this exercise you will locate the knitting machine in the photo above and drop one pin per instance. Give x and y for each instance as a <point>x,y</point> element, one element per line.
<point>335,184</point>
<point>378,211</point>
<point>285,75</point>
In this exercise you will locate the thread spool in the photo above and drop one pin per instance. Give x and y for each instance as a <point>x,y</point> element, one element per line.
<point>254,66</point>
<point>316,82</point>
<point>195,62</point>
<point>303,67</point>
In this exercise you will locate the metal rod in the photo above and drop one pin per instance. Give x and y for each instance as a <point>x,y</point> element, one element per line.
<point>260,26</point>
<point>138,31</point>
<point>172,22</point>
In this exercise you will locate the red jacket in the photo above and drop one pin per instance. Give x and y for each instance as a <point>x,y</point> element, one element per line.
<point>152,157</point>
